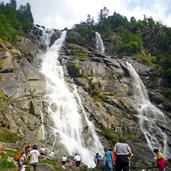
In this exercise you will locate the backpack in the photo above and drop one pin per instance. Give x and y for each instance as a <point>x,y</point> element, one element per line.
<point>161,163</point>
<point>18,155</point>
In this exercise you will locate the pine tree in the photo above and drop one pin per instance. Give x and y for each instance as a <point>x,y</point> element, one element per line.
<point>13,4</point>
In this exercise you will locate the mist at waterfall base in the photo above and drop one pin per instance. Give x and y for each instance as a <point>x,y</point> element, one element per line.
<point>149,115</point>
<point>63,107</point>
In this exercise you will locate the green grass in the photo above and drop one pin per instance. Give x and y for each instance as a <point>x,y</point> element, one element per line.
<point>7,136</point>
<point>11,153</point>
<point>3,96</point>
<point>78,52</point>
<point>4,163</point>
<point>1,63</point>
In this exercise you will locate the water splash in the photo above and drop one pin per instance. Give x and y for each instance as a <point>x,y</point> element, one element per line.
<point>63,109</point>
<point>149,115</point>
<point>99,43</point>
<point>42,127</point>
<point>96,146</point>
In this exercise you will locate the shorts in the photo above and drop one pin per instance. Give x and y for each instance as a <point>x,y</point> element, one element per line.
<point>34,164</point>
<point>63,162</point>
<point>78,163</point>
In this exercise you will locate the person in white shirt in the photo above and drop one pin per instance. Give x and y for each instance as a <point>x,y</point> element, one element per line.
<point>34,157</point>
<point>77,159</point>
<point>22,163</point>
<point>63,160</point>
<point>42,150</point>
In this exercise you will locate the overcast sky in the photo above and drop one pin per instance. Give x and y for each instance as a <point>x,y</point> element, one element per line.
<point>65,13</point>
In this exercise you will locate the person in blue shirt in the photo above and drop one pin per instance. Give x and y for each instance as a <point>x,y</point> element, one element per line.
<point>98,159</point>
<point>108,160</point>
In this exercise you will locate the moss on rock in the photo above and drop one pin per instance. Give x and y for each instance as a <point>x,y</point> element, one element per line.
<point>7,136</point>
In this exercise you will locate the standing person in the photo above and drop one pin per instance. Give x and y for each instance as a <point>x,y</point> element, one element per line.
<point>123,151</point>
<point>77,159</point>
<point>22,163</point>
<point>103,161</point>
<point>108,160</point>
<point>28,146</point>
<point>114,158</point>
<point>34,157</point>
<point>129,158</point>
<point>63,160</point>
<point>159,160</point>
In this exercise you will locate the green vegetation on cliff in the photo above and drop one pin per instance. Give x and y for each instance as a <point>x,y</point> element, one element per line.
<point>8,136</point>
<point>14,21</point>
<point>148,41</point>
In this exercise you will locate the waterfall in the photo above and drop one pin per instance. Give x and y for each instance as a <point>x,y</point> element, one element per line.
<point>150,116</point>
<point>99,43</point>
<point>66,109</point>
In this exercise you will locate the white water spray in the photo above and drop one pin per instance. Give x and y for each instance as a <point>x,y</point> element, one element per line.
<point>63,108</point>
<point>99,43</point>
<point>149,115</point>
<point>42,128</point>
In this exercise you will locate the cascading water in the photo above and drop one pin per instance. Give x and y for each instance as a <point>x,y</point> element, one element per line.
<point>63,108</point>
<point>149,115</point>
<point>99,43</point>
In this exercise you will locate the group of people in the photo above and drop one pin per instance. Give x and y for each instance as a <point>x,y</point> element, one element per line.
<point>116,159</point>
<point>65,161</point>
<point>29,158</point>
<point>119,158</point>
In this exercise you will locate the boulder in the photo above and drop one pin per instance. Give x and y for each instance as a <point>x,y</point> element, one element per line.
<point>26,46</point>
<point>45,167</point>
<point>8,65</point>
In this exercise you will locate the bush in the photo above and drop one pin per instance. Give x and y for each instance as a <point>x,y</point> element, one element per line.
<point>167,92</point>
<point>145,59</point>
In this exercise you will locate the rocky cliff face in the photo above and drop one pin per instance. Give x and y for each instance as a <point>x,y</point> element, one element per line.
<point>103,83</point>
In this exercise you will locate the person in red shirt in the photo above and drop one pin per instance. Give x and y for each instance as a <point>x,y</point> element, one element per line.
<point>159,160</point>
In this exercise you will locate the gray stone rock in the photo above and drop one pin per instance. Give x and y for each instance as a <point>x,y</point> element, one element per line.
<point>9,84</point>
<point>45,167</point>
<point>26,46</point>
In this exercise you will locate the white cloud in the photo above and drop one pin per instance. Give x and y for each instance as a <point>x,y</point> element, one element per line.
<point>66,13</point>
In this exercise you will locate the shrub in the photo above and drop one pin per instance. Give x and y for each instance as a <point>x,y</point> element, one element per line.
<point>145,59</point>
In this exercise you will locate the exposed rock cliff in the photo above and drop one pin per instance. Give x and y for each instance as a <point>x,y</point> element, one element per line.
<point>103,83</point>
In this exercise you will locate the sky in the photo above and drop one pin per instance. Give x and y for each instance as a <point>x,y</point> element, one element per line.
<point>59,14</point>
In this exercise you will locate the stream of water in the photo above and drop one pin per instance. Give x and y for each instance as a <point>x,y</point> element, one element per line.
<point>149,115</point>
<point>63,108</point>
